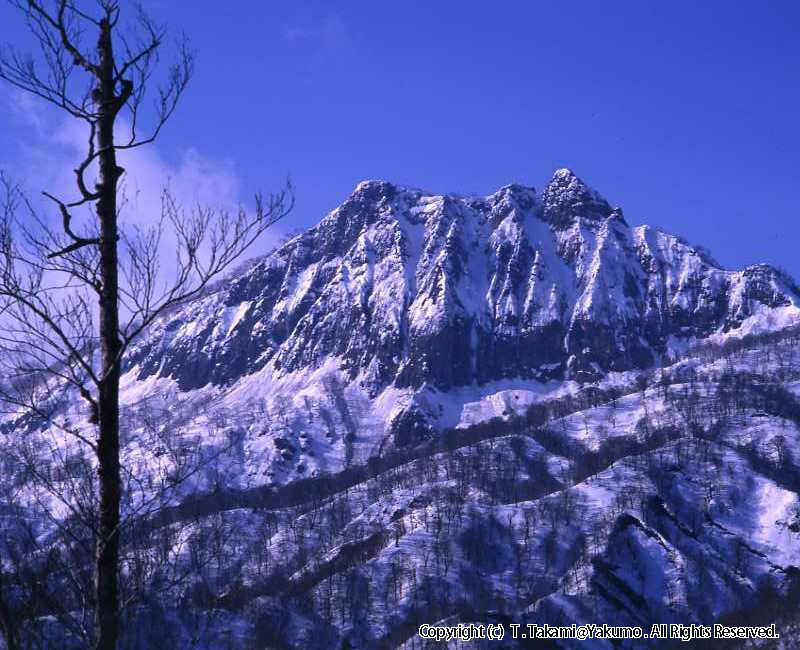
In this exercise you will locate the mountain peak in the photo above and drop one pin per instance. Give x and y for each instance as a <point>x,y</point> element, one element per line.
<point>375,189</point>
<point>564,173</point>
<point>567,197</point>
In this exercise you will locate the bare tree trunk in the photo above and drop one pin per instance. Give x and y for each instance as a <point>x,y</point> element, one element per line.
<point>110,346</point>
<point>7,623</point>
<point>55,325</point>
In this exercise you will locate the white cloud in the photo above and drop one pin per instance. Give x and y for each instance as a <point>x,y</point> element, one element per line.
<point>49,145</point>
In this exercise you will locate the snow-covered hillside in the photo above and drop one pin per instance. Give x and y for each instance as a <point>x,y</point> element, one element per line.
<point>440,408</point>
<point>419,310</point>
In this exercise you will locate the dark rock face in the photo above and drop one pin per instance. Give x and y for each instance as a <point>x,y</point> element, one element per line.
<point>410,427</point>
<point>567,197</point>
<point>407,288</point>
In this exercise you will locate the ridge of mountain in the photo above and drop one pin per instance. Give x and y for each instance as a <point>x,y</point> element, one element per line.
<point>408,289</point>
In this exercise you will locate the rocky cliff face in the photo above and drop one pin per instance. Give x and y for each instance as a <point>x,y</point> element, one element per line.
<point>406,288</point>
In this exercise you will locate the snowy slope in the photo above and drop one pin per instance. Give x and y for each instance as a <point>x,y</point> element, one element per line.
<point>440,408</point>
<point>404,312</point>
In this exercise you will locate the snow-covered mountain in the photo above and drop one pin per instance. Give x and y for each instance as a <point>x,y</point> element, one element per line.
<point>515,408</point>
<point>418,301</point>
<point>405,288</point>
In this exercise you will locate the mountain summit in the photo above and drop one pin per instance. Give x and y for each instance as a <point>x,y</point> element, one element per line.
<point>567,198</point>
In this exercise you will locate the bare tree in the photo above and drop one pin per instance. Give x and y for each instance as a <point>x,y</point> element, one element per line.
<point>74,297</point>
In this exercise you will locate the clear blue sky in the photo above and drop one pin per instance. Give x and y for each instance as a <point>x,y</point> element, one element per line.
<point>684,113</point>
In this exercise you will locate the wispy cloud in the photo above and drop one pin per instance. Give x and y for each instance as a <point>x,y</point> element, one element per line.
<point>49,146</point>
<point>322,39</point>
<point>330,31</point>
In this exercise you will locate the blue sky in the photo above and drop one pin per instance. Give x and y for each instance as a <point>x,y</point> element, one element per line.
<point>683,113</point>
